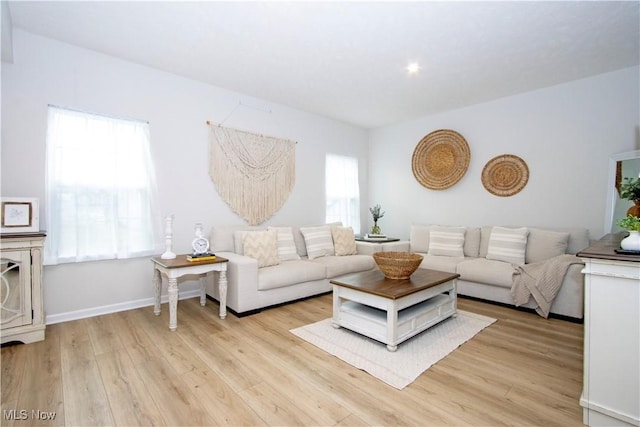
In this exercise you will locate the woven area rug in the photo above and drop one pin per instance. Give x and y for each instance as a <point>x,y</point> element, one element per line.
<point>413,357</point>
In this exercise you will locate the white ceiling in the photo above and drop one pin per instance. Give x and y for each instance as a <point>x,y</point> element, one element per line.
<point>346,60</point>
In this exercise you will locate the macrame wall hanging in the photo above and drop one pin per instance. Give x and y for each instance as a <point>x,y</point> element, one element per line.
<point>254,174</point>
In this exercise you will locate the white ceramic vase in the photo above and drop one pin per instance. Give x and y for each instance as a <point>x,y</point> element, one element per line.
<point>631,242</point>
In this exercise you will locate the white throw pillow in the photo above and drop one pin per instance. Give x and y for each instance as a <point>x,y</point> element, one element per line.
<point>318,241</point>
<point>263,246</point>
<point>286,245</point>
<point>446,241</point>
<point>508,244</point>
<point>344,241</point>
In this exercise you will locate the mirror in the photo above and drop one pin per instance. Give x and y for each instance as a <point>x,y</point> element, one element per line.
<point>620,166</point>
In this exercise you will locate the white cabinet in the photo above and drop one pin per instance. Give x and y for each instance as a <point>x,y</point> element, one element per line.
<point>21,298</point>
<point>611,388</point>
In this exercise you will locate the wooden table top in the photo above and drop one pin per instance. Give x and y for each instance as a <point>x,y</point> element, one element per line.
<point>374,282</point>
<point>605,248</point>
<point>182,261</point>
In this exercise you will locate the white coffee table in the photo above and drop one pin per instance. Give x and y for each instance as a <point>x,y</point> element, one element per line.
<point>392,311</point>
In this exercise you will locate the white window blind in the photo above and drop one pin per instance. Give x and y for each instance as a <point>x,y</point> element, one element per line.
<point>342,190</point>
<point>101,194</point>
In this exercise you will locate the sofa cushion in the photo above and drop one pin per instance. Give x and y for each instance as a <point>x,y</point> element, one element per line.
<point>441,263</point>
<point>290,273</point>
<point>446,241</point>
<point>472,242</point>
<point>222,237</point>
<point>344,241</point>
<point>262,246</point>
<point>486,271</point>
<point>545,244</point>
<point>419,238</point>
<point>508,244</point>
<point>286,246</point>
<point>578,239</point>
<point>339,265</point>
<point>318,241</point>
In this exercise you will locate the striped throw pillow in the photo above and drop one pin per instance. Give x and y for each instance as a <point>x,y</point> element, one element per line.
<point>286,245</point>
<point>446,241</point>
<point>508,244</point>
<point>318,241</point>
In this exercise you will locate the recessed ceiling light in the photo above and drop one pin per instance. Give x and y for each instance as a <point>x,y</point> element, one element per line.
<point>413,68</point>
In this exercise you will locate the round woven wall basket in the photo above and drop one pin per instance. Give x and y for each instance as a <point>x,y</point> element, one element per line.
<point>505,175</point>
<point>440,159</point>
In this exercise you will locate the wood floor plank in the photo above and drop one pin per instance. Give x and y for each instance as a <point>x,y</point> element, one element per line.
<point>129,399</point>
<point>274,408</point>
<point>103,333</point>
<point>81,380</point>
<point>41,387</point>
<point>223,404</point>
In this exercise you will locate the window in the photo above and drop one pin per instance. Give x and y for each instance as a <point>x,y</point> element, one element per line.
<point>101,200</point>
<point>342,190</point>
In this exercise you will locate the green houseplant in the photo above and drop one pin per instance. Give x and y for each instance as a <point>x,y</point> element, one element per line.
<point>630,190</point>
<point>632,241</point>
<point>630,222</point>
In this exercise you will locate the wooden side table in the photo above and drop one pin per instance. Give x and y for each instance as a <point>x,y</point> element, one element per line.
<point>180,266</point>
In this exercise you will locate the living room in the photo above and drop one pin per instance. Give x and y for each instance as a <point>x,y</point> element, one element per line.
<point>566,133</point>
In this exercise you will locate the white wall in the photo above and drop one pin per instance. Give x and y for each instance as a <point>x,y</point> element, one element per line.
<point>48,72</point>
<point>565,134</point>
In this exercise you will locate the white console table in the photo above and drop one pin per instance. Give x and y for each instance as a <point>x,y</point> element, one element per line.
<point>611,388</point>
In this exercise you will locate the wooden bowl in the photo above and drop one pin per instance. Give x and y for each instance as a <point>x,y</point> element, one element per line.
<point>397,265</point>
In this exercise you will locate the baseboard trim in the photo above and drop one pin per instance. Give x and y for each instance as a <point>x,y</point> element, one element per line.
<point>528,310</point>
<point>113,308</point>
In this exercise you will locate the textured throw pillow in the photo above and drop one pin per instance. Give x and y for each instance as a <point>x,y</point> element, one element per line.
<point>286,245</point>
<point>508,244</point>
<point>344,241</point>
<point>318,241</point>
<point>446,241</point>
<point>263,246</point>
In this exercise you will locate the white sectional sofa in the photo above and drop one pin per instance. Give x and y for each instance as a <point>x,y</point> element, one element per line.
<point>492,279</point>
<point>297,271</point>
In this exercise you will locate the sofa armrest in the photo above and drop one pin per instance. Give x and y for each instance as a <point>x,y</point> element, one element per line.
<point>242,282</point>
<point>570,298</point>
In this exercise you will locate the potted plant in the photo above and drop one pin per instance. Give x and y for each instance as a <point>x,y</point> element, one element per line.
<point>632,224</point>
<point>375,211</point>
<point>630,190</point>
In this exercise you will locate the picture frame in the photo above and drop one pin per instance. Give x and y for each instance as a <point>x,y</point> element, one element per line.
<point>19,215</point>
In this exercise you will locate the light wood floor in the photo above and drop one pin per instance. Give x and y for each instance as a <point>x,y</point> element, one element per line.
<point>128,369</point>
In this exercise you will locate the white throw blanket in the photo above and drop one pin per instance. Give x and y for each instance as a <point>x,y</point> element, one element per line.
<point>542,281</point>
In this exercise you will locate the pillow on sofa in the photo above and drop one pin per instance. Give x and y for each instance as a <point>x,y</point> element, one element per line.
<point>446,241</point>
<point>545,244</point>
<point>419,238</point>
<point>344,241</point>
<point>263,246</point>
<point>286,245</point>
<point>318,241</point>
<point>508,244</point>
